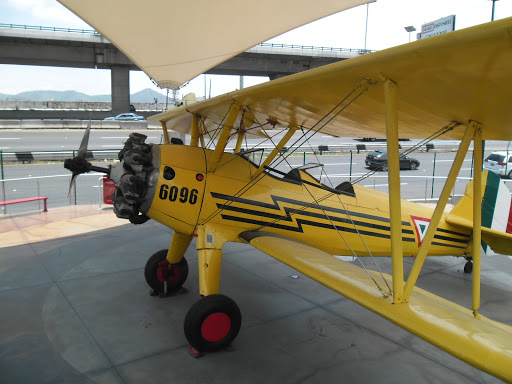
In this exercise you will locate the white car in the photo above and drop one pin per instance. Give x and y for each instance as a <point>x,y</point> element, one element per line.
<point>499,163</point>
<point>126,117</point>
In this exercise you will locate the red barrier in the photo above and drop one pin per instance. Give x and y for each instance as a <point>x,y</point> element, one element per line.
<point>109,188</point>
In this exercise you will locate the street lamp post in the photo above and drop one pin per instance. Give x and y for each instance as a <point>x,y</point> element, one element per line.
<point>410,29</point>
<point>493,4</point>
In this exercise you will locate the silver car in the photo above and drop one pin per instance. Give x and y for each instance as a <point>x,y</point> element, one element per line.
<point>499,163</point>
<point>126,117</point>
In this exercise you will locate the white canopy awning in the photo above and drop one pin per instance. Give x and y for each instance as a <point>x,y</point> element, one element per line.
<point>174,41</point>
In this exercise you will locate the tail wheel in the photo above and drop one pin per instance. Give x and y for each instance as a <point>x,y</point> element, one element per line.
<point>158,271</point>
<point>468,267</point>
<point>212,323</point>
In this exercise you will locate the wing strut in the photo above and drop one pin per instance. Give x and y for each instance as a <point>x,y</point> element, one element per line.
<point>166,134</point>
<point>275,151</point>
<point>395,210</point>
<point>224,137</point>
<point>438,212</point>
<point>194,131</point>
<point>477,217</point>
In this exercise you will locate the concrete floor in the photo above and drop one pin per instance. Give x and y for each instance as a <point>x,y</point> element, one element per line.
<point>77,309</point>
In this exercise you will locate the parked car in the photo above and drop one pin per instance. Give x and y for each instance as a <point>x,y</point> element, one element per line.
<point>126,117</point>
<point>499,163</point>
<point>379,159</point>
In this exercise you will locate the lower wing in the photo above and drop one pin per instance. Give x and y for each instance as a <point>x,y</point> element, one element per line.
<point>478,341</point>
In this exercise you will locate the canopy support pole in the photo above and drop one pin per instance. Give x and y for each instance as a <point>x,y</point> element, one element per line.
<point>439,210</point>
<point>477,218</point>
<point>395,208</point>
<point>224,137</point>
<point>276,150</point>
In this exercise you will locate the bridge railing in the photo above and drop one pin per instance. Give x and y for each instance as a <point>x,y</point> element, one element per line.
<point>271,45</point>
<point>53,29</point>
<point>312,47</point>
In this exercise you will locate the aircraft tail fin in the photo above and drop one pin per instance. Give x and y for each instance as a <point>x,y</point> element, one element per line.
<point>496,213</point>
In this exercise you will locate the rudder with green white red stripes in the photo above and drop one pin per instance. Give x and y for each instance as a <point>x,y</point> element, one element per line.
<point>496,206</point>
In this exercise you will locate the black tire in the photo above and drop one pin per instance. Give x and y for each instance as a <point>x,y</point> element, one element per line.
<point>468,267</point>
<point>509,175</point>
<point>212,323</point>
<point>413,166</point>
<point>384,167</point>
<point>158,270</point>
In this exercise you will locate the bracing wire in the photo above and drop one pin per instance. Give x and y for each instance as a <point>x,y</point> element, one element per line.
<point>306,136</point>
<point>348,245</point>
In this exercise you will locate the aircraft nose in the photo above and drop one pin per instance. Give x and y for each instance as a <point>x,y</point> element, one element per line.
<point>132,177</point>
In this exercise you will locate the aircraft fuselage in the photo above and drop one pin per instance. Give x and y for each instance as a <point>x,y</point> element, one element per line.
<point>230,200</point>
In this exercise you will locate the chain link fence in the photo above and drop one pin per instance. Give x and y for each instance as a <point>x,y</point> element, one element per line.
<point>43,174</point>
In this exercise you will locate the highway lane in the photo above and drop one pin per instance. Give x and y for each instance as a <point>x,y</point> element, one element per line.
<point>58,140</point>
<point>66,140</point>
<point>69,139</point>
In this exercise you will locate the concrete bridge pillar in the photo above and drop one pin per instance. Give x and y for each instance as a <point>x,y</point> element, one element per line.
<point>120,79</point>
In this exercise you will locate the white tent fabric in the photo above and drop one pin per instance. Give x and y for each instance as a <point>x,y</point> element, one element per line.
<point>174,41</point>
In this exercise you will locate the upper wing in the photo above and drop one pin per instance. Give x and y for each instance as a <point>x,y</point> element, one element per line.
<point>459,76</point>
<point>480,342</point>
<point>174,41</point>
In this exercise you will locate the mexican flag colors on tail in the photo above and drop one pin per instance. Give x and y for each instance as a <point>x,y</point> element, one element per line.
<point>496,213</point>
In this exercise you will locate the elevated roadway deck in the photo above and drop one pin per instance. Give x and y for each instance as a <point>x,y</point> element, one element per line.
<point>28,45</point>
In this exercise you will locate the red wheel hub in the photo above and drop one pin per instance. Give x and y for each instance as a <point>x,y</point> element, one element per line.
<point>215,327</point>
<point>167,272</point>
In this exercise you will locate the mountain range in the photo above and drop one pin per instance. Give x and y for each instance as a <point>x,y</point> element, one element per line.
<point>145,96</point>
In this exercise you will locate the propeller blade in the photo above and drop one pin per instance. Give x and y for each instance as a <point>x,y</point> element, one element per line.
<point>72,183</point>
<point>82,151</point>
<point>79,164</point>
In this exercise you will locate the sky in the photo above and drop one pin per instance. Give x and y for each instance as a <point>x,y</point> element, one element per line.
<point>386,22</point>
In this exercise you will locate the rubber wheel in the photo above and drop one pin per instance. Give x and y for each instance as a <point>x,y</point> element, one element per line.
<point>413,166</point>
<point>158,270</point>
<point>384,167</point>
<point>510,175</point>
<point>212,323</point>
<point>468,267</point>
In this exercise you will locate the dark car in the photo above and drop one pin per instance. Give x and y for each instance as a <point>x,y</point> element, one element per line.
<point>379,160</point>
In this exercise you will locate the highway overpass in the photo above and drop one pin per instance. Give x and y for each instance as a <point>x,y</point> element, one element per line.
<point>59,47</point>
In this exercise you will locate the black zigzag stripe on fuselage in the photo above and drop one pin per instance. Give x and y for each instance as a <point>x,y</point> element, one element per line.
<point>292,211</point>
<point>301,221</point>
<point>276,207</point>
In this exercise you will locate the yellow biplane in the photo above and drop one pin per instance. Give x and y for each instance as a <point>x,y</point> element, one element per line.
<point>454,86</point>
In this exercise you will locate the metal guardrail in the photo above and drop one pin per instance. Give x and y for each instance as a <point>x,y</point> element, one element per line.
<point>53,29</point>
<point>315,48</point>
<point>272,45</point>
<point>9,157</point>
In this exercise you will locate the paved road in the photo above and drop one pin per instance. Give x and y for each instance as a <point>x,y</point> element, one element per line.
<point>58,140</point>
